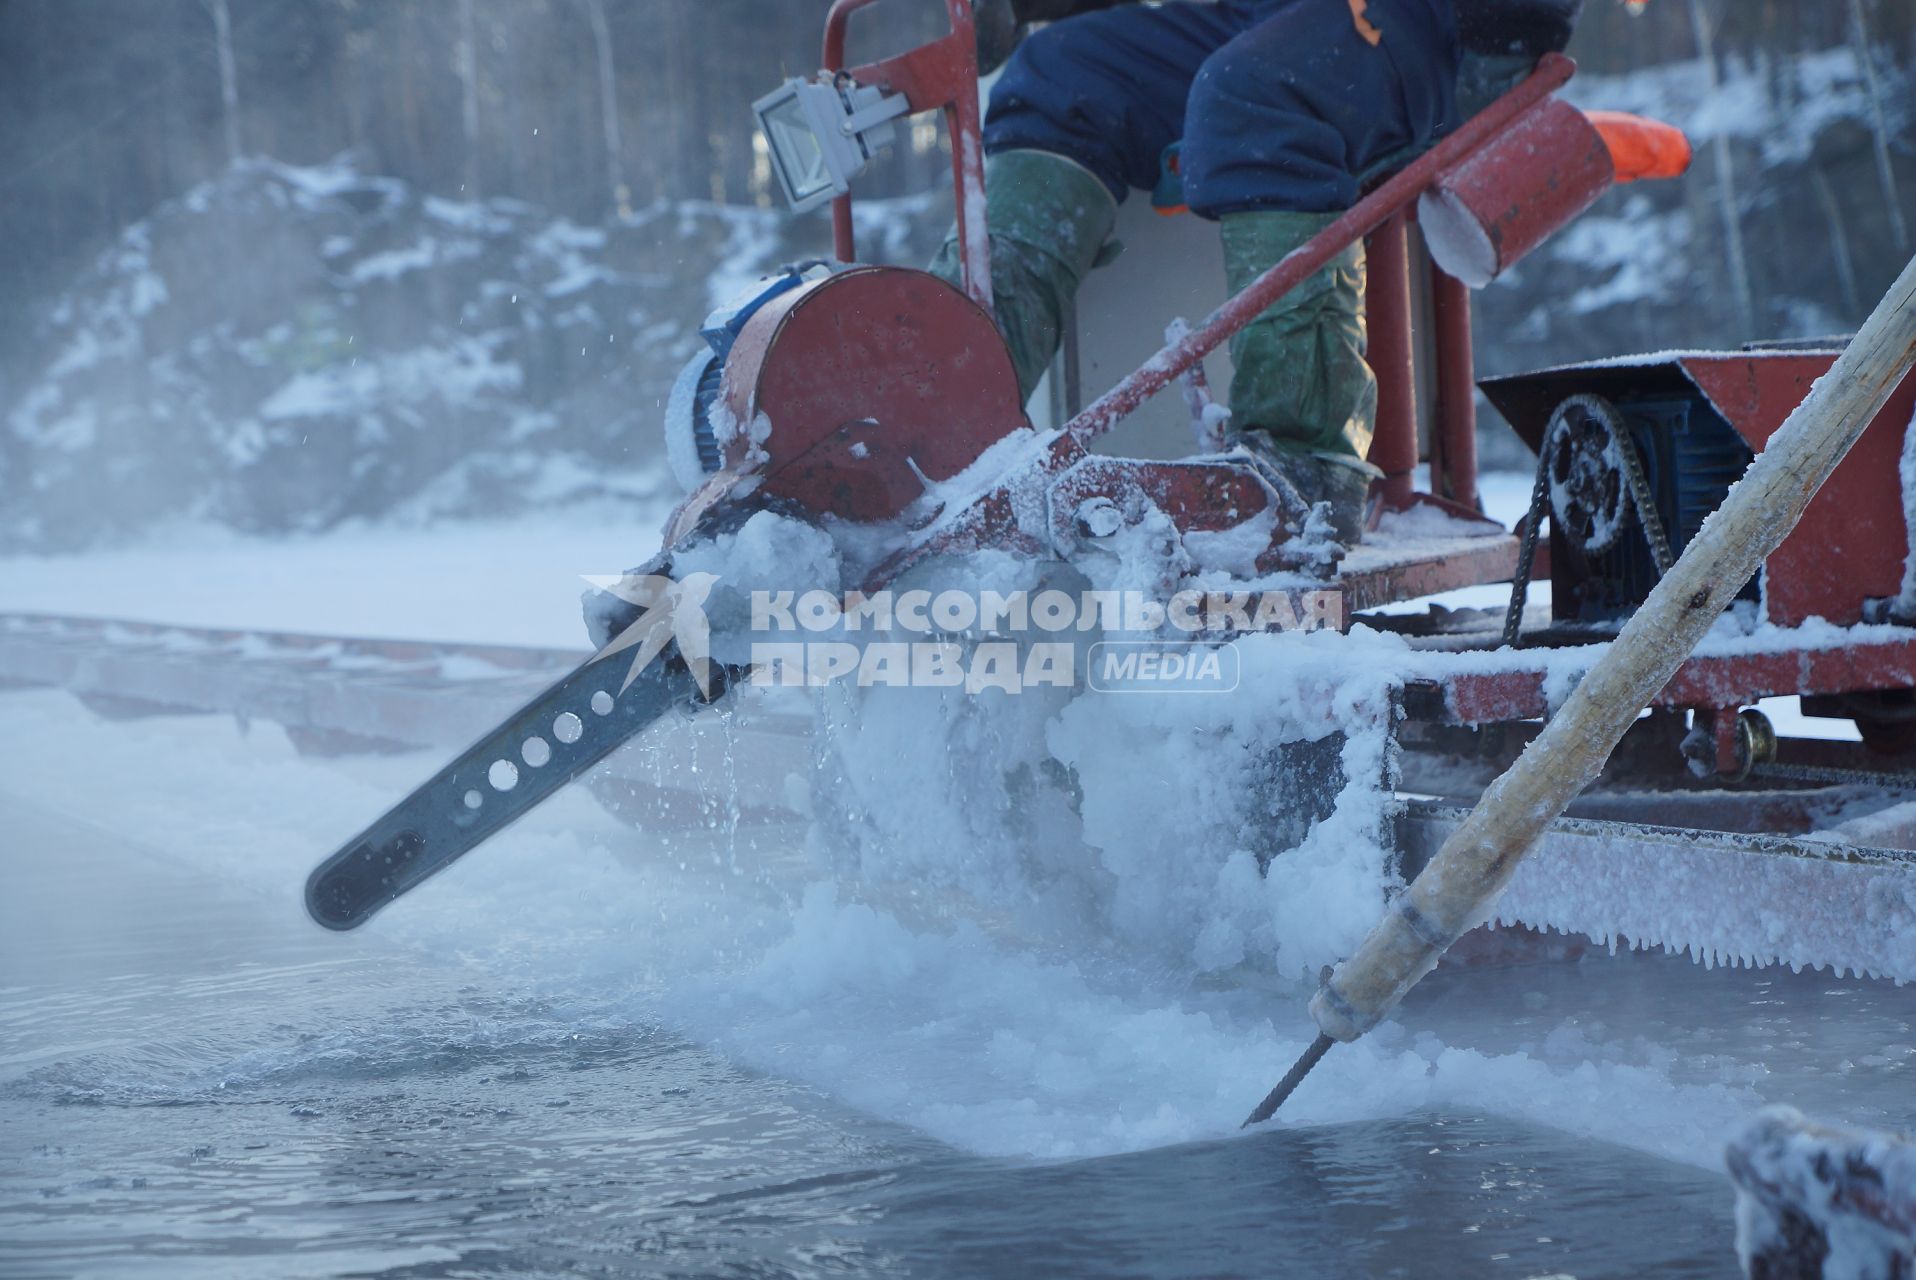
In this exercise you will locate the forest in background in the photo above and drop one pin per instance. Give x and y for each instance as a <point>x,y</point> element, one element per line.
<point>276,265</point>
<point>590,108</point>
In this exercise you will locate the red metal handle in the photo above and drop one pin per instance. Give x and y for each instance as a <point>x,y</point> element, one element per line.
<point>942,75</point>
<point>1370,213</point>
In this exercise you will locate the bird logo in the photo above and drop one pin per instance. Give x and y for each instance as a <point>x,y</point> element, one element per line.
<point>670,611</point>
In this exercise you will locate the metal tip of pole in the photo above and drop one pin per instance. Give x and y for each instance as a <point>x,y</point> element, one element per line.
<point>1288,1085</point>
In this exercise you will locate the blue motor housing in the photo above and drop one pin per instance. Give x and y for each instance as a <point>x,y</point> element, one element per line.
<point>692,443</point>
<point>1691,455</point>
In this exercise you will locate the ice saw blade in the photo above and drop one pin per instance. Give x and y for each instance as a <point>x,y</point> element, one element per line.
<point>530,755</point>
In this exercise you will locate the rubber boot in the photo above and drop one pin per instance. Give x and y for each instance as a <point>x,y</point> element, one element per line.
<point>1303,399</point>
<point>1050,222</point>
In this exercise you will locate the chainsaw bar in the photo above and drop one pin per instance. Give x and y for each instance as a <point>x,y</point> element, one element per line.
<point>531,754</point>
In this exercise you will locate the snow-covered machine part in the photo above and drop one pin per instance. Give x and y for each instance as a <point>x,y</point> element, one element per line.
<point>1482,217</point>
<point>1486,215</point>
<point>1723,897</point>
<point>693,447</point>
<point>1820,1203</point>
<point>876,408</point>
<point>813,408</point>
<point>1469,873</point>
<point>1696,418</point>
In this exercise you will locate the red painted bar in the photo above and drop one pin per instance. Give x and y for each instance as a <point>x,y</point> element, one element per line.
<point>1453,445</point>
<point>1394,448</point>
<point>1740,680</point>
<point>1484,560</point>
<point>942,75</point>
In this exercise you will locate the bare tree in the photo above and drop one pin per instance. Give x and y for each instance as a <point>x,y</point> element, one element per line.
<point>1725,167</point>
<point>468,61</point>
<point>1839,243</point>
<point>229,75</point>
<point>1885,173</point>
<point>609,109</point>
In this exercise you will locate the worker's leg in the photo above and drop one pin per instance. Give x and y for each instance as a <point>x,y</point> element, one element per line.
<point>1109,89</point>
<point>1049,220</point>
<point>1287,114</point>
<point>1280,123</point>
<point>1083,113</point>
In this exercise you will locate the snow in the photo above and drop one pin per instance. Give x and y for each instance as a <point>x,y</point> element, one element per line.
<point>392,346</point>
<point>393,263</point>
<point>505,582</point>
<point>1855,1191</point>
<point>1428,521</point>
<point>316,181</point>
<point>1235,550</point>
<point>467,216</point>
<point>1645,251</point>
<point>464,369</point>
<point>751,238</point>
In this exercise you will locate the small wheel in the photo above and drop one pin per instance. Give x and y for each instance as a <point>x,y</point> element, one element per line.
<point>1755,741</point>
<point>1589,498</point>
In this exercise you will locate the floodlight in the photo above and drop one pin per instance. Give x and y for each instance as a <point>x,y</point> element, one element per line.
<point>823,133</point>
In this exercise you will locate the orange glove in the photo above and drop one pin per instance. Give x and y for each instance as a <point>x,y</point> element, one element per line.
<point>1642,148</point>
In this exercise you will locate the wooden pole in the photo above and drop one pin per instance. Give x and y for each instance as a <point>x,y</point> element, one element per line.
<point>1457,890</point>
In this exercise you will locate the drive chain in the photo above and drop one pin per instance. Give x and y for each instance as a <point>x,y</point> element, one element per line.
<point>1901,780</point>
<point>1641,498</point>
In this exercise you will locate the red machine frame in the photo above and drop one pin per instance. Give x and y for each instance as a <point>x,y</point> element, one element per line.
<point>942,76</point>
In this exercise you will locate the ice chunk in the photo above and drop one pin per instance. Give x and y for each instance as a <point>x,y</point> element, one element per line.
<point>1822,1204</point>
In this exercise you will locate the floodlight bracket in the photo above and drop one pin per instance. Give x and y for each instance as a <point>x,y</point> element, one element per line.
<point>939,76</point>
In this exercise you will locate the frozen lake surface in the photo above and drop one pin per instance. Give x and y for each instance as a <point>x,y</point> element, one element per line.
<point>190,1087</point>
<point>587,1052</point>
<point>594,1050</point>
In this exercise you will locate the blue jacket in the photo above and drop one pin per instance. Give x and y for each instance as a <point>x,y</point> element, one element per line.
<point>1532,27</point>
